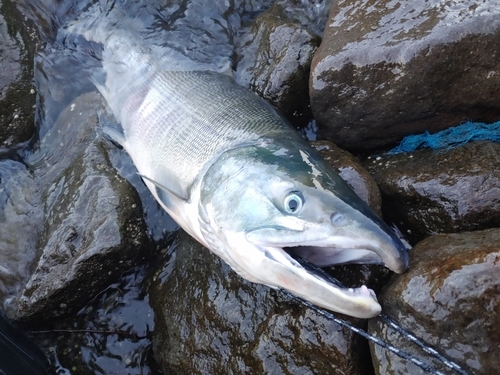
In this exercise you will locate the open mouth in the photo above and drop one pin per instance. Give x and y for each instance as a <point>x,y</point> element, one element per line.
<point>292,259</point>
<point>307,281</point>
<point>313,258</point>
<point>328,256</point>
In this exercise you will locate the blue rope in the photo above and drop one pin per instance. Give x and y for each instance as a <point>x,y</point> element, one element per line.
<point>449,138</point>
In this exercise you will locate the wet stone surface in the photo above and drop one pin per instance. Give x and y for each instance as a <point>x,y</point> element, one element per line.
<point>111,335</point>
<point>386,69</point>
<point>17,94</point>
<point>19,204</point>
<point>210,320</point>
<point>450,299</point>
<point>92,227</point>
<point>351,170</point>
<point>427,192</point>
<point>275,62</point>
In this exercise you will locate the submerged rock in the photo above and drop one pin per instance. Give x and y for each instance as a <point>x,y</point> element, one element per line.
<point>448,298</point>
<point>386,69</point>
<point>111,335</point>
<point>210,320</point>
<point>16,79</point>
<point>427,192</point>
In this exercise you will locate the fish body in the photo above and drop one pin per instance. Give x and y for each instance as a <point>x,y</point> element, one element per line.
<point>237,177</point>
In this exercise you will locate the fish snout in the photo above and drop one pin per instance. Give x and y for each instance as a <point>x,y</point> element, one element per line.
<point>394,253</point>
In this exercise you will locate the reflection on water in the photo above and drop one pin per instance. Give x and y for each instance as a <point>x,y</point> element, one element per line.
<point>111,335</point>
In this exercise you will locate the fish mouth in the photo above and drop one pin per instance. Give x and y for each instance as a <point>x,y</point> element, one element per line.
<point>333,255</point>
<point>280,270</point>
<point>283,271</point>
<point>336,250</point>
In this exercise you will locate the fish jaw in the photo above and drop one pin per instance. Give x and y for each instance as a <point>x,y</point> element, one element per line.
<point>272,266</point>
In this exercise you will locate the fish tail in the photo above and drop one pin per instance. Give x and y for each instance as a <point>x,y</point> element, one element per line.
<point>122,48</point>
<point>101,23</point>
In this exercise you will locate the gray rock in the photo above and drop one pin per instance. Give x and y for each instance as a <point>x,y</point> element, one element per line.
<point>275,62</point>
<point>92,228</point>
<point>389,69</point>
<point>428,192</point>
<point>19,229</point>
<point>16,79</point>
<point>449,298</point>
<point>208,320</point>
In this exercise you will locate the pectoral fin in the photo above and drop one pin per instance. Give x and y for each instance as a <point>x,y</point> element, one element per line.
<point>114,132</point>
<point>163,191</point>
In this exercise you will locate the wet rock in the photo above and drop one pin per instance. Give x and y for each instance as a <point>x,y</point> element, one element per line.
<point>275,62</point>
<point>111,335</point>
<point>92,229</point>
<point>210,320</point>
<point>351,170</point>
<point>17,94</point>
<point>449,298</point>
<point>309,14</point>
<point>19,218</point>
<point>428,192</point>
<point>387,69</point>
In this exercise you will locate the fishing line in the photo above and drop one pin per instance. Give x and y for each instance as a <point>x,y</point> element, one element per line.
<point>426,348</point>
<point>401,353</point>
<point>384,319</point>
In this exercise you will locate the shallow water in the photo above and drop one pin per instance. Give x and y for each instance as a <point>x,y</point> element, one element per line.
<point>111,335</point>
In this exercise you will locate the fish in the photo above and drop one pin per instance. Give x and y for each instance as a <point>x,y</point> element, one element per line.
<point>236,176</point>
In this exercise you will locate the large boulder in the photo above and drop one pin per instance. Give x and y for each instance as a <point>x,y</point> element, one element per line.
<point>385,69</point>
<point>449,298</point>
<point>427,192</point>
<point>91,228</point>
<point>208,320</point>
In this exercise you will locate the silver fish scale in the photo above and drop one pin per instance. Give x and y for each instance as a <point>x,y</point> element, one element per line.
<point>187,118</point>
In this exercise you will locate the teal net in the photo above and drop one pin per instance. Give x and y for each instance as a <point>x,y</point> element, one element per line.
<point>448,138</point>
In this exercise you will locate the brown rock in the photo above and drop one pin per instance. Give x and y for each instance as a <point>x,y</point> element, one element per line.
<point>208,320</point>
<point>351,171</point>
<point>387,69</point>
<point>428,192</point>
<point>449,298</point>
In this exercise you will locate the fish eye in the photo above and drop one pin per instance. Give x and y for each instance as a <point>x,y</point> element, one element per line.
<point>293,202</point>
<point>337,218</point>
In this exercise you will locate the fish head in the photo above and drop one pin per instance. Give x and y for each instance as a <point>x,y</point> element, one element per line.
<point>258,205</point>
